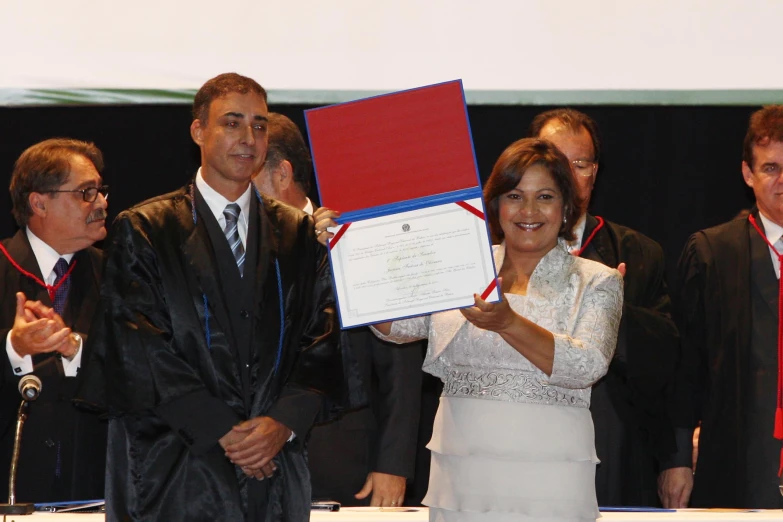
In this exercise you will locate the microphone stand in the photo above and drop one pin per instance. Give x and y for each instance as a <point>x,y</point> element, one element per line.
<point>12,508</point>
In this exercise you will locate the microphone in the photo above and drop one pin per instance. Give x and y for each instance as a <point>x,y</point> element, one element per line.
<point>30,387</point>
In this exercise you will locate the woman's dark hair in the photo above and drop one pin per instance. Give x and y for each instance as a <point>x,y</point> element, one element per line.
<point>512,165</point>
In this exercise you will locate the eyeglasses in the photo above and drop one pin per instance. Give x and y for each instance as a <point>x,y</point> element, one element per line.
<point>89,194</point>
<point>583,167</point>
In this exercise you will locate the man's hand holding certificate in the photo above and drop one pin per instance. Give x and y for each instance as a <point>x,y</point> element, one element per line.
<point>397,251</point>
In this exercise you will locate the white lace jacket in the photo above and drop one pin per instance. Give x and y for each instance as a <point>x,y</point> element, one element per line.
<point>578,300</point>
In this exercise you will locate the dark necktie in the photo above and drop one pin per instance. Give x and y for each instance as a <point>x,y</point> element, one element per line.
<point>231,231</point>
<point>61,268</point>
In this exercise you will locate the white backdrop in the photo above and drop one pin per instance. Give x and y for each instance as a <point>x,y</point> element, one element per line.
<point>327,50</point>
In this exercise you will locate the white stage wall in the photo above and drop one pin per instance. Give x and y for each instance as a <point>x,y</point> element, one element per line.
<point>309,51</point>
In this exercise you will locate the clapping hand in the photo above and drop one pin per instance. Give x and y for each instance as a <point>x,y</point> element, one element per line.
<point>38,329</point>
<point>70,346</point>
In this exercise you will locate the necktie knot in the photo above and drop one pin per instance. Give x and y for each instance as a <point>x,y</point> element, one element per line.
<point>231,213</point>
<point>60,268</point>
<point>61,295</point>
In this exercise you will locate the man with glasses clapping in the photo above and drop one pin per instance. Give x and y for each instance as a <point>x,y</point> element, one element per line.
<point>50,275</point>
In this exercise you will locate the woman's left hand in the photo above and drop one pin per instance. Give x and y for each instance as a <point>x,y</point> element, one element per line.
<point>496,317</point>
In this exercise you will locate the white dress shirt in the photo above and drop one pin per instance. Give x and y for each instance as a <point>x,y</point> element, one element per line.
<point>309,207</point>
<point>579,231</point>
<point>774,233</point>
<point>47,257</point>
<point>217,204</point>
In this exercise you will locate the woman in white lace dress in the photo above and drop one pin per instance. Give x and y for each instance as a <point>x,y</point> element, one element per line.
<point>513,437</point>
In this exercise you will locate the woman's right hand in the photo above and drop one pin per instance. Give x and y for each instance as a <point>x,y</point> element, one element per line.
<point>324,218</point>
<point>495,317</point>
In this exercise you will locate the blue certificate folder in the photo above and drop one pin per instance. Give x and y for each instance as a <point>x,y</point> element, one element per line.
<point>413,236</point>
<point>78,506</point>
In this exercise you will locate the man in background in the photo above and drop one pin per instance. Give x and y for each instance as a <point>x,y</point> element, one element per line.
<point>50,275</point>
<point>634,437</point>
<point>367,454</point>
<point>728,313</point>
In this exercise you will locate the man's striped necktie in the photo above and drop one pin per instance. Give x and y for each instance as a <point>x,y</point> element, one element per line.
<point>231,231</point>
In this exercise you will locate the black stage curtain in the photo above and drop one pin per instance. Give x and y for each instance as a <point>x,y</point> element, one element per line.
<point>666,171</point>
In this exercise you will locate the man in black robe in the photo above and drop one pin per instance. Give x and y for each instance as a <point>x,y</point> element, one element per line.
<point>59,202</point>
<point>217,348</point>
<point>633,434</point>
<point>727,311</point>
<point>366,455</point>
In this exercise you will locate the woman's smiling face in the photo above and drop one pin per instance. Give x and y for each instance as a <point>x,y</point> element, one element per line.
<point>531,213</point>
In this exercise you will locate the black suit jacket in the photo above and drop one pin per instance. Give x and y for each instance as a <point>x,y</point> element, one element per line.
<point>380,437</point>
<point>63,449</point>
<point>168,368</point>
<point>633,429</point>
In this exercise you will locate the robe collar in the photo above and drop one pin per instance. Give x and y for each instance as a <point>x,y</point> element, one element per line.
<point>601,247</point>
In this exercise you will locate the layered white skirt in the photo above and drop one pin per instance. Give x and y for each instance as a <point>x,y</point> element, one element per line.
<point>510,461</point>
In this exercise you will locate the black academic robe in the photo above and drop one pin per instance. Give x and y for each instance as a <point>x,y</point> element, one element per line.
<point>714,382</point>
<point>380,437</point>
<point>63,449</point>
<point>632,427</point>
<point>173,377</point>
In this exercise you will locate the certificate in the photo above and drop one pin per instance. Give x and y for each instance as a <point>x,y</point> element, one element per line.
<point>413,237</point>
<point>412,263</point>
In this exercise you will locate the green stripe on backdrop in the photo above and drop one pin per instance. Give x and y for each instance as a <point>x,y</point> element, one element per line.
<point>23,97</point>
<point>27,97</point>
